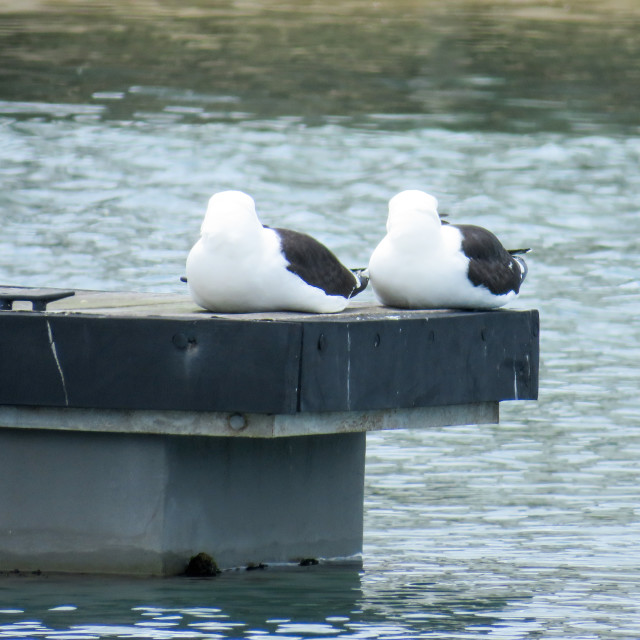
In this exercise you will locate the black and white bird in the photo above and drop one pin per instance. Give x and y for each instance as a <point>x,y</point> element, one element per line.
<point>239,265</point>
<point>424,263</point>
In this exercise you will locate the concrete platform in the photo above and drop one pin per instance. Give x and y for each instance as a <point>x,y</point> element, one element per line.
<point>126,351</point>
<point>137,431</point>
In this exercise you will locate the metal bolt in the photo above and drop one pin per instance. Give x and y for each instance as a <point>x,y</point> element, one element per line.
<point>180,341</point>
<point>237,421</point>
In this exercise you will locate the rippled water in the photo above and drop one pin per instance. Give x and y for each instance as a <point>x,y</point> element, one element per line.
<point>527,529</point>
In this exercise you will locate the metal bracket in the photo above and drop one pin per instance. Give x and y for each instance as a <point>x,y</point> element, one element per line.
<point>39,298</point>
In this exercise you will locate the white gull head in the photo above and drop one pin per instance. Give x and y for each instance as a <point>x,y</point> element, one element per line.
<point>410,209</point>
<point>230,213</point>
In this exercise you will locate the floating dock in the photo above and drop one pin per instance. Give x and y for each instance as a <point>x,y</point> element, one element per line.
<point>137,431</point>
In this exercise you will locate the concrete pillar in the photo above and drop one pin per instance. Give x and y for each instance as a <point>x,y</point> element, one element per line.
<point>144,504</point>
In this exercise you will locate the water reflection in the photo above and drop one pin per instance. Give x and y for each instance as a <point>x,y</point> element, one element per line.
<point>498,65</point>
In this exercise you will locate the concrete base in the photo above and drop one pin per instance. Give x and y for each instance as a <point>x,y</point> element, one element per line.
<point>140,492</point>
<point>144,504</point>
<point>247,442</point>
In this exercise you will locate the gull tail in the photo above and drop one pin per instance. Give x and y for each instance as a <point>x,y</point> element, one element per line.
<point>362,279</point>
<point>523,267</point>
<point>515,254</point>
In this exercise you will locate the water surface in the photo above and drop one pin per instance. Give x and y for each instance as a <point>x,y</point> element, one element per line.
<point>117,122</point>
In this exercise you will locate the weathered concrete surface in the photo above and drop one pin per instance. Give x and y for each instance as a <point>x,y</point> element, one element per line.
<point>144,504</point>
<point>240,425</point>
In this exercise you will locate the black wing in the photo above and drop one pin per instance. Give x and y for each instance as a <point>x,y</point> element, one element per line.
<point>317,266</point>
<point>490,264</point>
